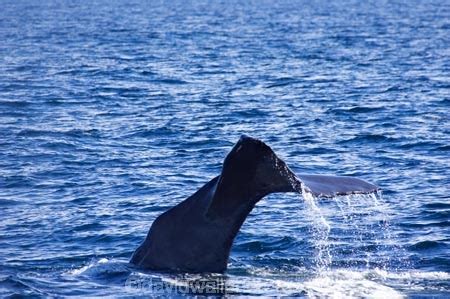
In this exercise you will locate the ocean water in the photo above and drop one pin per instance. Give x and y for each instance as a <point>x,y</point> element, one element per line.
<point>111,112</point>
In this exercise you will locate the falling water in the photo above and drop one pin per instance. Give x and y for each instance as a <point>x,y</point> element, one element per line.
<point>361,220</point>
<point>320,229</point>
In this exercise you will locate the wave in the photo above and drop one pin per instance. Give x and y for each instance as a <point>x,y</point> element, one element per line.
<point>79,133</point>
<point>100,268</point>
<point>427,245</point>
<point>357,110</point>
<point>369,138</point>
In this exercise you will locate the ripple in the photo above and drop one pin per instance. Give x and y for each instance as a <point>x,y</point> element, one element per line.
<point>371,138</point>
<point>160,131</point>
<point>282,82</point>
<point>359,109</point>
<point>171,81</point>
<point>427,245</point>
<point>69,133</point>
<point>15,104</point>
<point>444,148</point>
<point>437,205</point>
<point>17,288</point>
<point>265,246</point>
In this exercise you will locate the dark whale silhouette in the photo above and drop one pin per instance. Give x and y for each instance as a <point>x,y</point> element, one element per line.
<point>197,234</point>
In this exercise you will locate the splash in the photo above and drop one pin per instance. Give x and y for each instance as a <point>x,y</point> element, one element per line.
<point>348,284</point>
<point>320,229</point>
<point>353,228</point>
<point>100,268</point>
<point>86,268</point>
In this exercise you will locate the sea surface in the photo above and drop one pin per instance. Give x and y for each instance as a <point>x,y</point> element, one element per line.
<point>111,112</point>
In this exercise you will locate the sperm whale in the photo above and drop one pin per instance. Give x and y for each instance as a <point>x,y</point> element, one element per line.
<point>197,234</point>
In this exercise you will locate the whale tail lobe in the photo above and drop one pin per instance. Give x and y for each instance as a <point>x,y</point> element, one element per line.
<point>252,170</point>
<point>330,186</point>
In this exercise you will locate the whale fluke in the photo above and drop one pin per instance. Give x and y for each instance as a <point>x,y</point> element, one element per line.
<point>197,234</point>
<point>330,186</point>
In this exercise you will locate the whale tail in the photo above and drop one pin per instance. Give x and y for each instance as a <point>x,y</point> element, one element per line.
<point>330,186</point>
<point>197,234</point>
<point>252,170</point>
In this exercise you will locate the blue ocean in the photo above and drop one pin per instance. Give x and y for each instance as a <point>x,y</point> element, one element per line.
<point>111,112</point>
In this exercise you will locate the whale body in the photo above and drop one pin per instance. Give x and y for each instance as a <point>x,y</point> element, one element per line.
<point>197,234</point>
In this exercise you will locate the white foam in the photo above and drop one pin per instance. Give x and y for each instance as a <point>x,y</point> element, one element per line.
<point>338,283</point>
<point>348,284</point>
<point>330,284</point>
<point>85,268</point>
<point>412,276</point>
